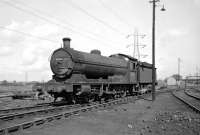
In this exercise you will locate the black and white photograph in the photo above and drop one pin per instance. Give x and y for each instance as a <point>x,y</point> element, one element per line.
<point>99,67</point>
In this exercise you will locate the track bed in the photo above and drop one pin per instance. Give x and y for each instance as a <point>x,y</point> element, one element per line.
<point>166,115</point>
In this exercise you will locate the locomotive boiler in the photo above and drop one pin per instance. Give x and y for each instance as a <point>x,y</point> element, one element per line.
<point>80,76</point>
<point>67,61</point>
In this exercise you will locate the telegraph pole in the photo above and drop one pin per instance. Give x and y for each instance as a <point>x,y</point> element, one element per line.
<point>26,77</point>
<point>153,52</point>
<point>153,48</point>
<point>179,60</point>
<point>197,75</point>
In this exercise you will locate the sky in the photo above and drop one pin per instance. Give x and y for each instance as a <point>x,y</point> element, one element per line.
<point>30,30</point>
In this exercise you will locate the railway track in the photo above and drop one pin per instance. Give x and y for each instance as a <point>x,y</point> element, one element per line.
<point>4,112</point>
<point>11,116</point>
<point>19,122</point>
<point>17,118</point>
<point>18,110</point>
<point>188,98</point>
<point>27,117</point>
<point>193,93</point>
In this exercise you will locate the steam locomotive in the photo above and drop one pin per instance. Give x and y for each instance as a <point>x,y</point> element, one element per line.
<point>82,77</point>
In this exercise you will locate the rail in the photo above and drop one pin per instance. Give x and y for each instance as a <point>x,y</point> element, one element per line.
<point>192,102</point>
<point>191,94</point>
<point>24,108</point>
<point>62,115</point>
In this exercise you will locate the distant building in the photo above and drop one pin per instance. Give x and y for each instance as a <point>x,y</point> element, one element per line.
<point>171,81</point>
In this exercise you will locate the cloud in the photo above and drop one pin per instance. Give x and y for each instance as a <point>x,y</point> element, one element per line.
<point>177,32</point>
<point>171,35</point>
<point>197,2</point>
<point>8,34</point>
<point>23,53</point>
<point>5,50</point>
<point>28,57</point>
<point>45,30</point>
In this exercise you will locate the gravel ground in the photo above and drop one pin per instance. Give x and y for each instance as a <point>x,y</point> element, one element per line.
<point>166,115</point>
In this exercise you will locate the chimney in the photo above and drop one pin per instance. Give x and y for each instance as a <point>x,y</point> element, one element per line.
<point>66,42</point>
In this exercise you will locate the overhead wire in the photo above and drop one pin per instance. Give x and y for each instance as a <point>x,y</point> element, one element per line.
<point>114,13</point>
<point>74,5</point>
<point>50,21</point>
<point>27,34</point>
<point>61,20</point>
